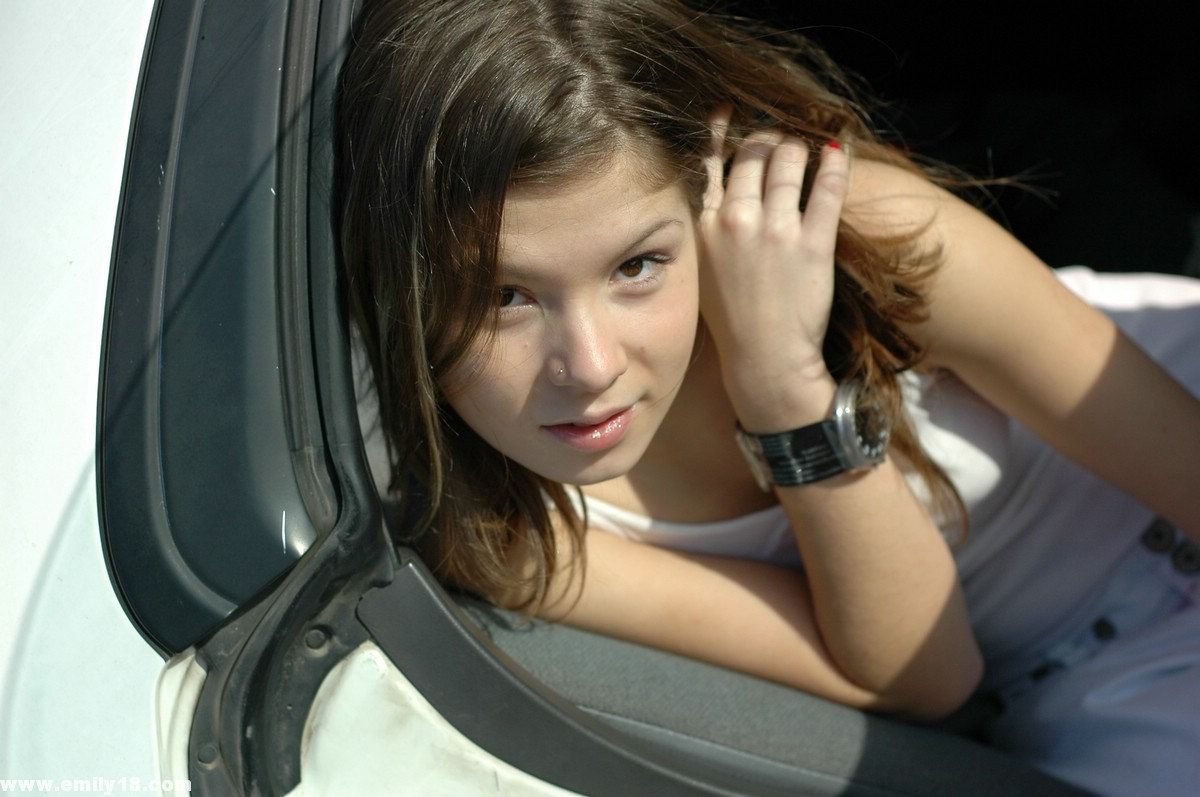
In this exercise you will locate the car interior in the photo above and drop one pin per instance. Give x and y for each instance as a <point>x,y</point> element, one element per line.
<point>241,520</point>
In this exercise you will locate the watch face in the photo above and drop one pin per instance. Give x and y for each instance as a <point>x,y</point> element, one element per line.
<point>862,426</point>
<point>872,429</point>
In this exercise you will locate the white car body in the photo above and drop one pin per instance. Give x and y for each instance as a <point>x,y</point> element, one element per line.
<point>76,679</point>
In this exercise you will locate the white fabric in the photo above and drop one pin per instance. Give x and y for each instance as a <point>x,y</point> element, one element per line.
<point>1052,549</point>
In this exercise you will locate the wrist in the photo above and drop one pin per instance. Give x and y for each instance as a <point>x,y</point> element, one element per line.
<point>852,437</point>
<point>778,405</point>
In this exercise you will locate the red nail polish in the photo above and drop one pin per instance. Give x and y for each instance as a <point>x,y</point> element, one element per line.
<point>834,144</point>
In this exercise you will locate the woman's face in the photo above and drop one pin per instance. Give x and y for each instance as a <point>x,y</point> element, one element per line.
<point>598,311</point>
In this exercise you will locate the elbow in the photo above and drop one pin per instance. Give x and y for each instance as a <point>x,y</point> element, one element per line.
<point>938,697</point>
<point>931,697</point>
<point>927,696</point>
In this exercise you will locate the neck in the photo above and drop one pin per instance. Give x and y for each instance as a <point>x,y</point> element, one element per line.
<point>700,413</point>
<point>692,470</point>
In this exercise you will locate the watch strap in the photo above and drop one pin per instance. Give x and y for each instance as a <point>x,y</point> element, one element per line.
<point>802,456</point>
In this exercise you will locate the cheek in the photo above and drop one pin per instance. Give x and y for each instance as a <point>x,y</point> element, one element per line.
<point>491,386</point>
<point>670,329</point>
<point>483,407</point>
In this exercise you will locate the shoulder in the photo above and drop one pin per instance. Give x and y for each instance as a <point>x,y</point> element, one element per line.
<point>998,318</point>
<point>984,277</point>
<point>885,200</point>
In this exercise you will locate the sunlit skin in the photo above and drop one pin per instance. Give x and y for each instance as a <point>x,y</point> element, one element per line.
<point>877,619</point>
<point>585,330</point>
<point>596,317</point>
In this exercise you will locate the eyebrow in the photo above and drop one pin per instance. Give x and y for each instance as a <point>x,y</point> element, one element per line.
<point>510,270</point>
<point>653,228</point>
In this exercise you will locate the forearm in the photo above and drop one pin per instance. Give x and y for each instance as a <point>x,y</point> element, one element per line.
<point>746,615</point>
<point>884,587</point>
<point>885,592</point>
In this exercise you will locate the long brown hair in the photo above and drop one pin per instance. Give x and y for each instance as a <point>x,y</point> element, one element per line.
<point>445,105</point>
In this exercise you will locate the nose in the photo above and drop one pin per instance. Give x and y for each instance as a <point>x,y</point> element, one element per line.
<point>587,352</point>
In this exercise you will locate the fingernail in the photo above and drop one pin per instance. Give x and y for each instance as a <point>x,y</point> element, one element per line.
<point>834,144</point>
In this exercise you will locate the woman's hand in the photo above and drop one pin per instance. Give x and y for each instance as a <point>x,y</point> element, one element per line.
<point>766,274</point>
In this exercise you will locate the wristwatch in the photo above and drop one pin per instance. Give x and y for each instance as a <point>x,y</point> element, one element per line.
<point>854,439</point>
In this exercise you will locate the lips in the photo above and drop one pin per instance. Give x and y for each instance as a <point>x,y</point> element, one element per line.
<point>591,435</point>
<point>591,419</point>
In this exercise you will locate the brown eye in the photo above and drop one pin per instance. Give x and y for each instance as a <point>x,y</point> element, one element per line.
<point>642,271</point>
<point>633,268</point>
<point>511,298</point>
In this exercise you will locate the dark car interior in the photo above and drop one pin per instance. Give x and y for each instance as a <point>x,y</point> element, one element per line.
<point>238,512</point>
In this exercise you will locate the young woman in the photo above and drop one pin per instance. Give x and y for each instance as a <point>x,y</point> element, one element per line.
<point>659,256</point>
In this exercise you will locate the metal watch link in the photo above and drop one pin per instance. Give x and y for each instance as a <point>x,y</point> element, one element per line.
<point>855,438</point>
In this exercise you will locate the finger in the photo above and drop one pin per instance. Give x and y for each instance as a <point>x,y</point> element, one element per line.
<point>824,209</point>
<point>749,165</point>
<point>714,191</point>
<point>785,176</point>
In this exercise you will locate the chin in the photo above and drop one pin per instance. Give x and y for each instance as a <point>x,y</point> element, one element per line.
<point>611,465</point>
